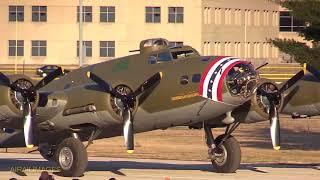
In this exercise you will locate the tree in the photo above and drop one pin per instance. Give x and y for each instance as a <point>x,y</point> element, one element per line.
<point>307,11</point>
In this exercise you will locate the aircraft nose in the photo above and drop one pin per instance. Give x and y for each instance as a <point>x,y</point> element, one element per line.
<point>228,75</point>
<point>242,79</point>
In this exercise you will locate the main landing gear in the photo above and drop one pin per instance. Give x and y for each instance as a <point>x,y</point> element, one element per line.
<point>70,154</point>
<point>224,151</point>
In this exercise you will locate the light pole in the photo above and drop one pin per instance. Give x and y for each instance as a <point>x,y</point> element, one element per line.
<point>80,33</point>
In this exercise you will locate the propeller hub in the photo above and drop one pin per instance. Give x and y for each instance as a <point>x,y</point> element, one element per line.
<point>267,93</point>
<point>19,97</point>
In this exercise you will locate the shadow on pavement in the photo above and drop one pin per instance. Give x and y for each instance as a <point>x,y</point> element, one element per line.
<point>21,167</point>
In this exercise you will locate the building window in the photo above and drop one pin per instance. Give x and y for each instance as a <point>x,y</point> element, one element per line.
<point>107,14</point>
<point>153,14</point>
<point>256,18</point>
<point>217,15</point>
<point>39,13</point>
<point>266,18</point>
<point>247,17</point>
<point>256,50</point>
<point>227,16</point>
<point>87,46</point>
<point>16,48</point>
<point>289,24</point>
<point>227,48</point>
<point>275,18</point>
<point>86,13</point>
<point>107,49</point>
<point>175,15</point>
<point>247,51</point>
<point>266,50</point>
<point>237,49</point>
<point>217,48</point>
<point>39,48</point>
<point>176,44</point>
<point>237,16</point>
<point>206,48</point>
<point>207,15</point>
<point>16,13</point>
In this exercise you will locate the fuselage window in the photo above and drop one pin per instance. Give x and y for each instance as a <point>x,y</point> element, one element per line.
<point>196,78</point>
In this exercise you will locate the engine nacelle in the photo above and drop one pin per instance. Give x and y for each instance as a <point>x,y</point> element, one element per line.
<point>11,101</point>
<point>257,109</point>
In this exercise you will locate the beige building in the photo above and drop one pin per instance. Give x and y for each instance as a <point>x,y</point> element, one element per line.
<point>46,32</point>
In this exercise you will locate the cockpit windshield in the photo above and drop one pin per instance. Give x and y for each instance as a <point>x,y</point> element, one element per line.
<point>182,54</point>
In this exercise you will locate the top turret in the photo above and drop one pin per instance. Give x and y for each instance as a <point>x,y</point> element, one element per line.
<point>149,45</point>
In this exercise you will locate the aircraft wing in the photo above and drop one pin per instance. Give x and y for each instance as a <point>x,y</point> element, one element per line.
<point>303,99</point>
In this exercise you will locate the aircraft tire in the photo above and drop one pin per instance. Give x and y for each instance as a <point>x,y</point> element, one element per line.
<point>46,157</point>
<point>71,156</point>
<point>228,155</point>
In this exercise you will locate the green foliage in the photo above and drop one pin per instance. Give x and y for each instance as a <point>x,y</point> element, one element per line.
<point>299,51</point>
<point>307,11</point>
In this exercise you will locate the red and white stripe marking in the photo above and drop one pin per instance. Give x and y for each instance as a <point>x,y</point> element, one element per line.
<point>211,84</point>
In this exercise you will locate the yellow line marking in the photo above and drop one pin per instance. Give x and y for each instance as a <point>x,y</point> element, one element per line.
<point>186,96</point>
<point>277,74</point>
<point>305,68</point>
<point>12,70</point>
<point>280,78</point>
<point>281,67</point>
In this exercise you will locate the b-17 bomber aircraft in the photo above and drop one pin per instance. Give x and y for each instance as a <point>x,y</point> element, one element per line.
<point>157,88</point>
<point>303,99</point>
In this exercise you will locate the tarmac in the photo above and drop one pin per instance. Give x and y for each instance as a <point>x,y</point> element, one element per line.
<point>29,166</point>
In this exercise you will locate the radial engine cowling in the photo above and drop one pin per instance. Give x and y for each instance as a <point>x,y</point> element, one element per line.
<point>257,109</point>
<point>11,101</point>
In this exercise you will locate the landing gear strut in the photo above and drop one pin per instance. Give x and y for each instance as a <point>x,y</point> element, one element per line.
<point>224,151</point>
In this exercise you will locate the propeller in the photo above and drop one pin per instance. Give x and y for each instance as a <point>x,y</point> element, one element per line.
<point>127,102</point>
<point>274,98</point>
<point>29,96</point>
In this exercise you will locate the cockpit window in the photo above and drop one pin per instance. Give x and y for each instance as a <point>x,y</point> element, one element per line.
<point>182,54</point>
<point>158,58</point>
<point>165,56</point>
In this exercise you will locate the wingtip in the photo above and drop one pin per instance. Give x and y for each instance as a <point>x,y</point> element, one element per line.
<point>88,74</point>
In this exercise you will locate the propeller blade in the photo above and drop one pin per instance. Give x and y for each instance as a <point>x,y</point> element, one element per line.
<point>291,81</point>
<point>102,83</point>
<point>50,77</point>
<point>128,129</point>
<point>313,71</point>
<point>4,79</point>
<point>147,84</point>
<point>275,126</point>
<point>261,66</point>
<point>27,126</point>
